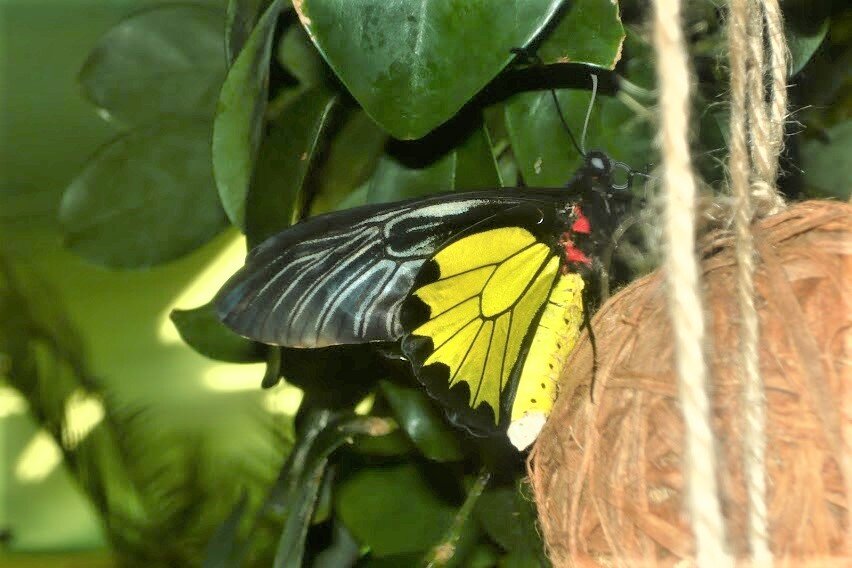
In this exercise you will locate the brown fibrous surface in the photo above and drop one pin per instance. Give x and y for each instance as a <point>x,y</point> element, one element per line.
<point>606,470</point>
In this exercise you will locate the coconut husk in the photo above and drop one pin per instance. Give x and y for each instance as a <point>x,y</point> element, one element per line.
<point>606,469</point>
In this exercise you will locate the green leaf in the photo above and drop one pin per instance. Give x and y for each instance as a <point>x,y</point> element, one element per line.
<point>460,538</point>
<point>394,180</point>
<point>202,330</point>
<point>352,158</point>
<point>145,198</point>
<point>417,414</point>
<point>276,198</point>
<point>827,162</point>
<point>240,19</point>
<point>240,116</point>
<point>519,537</point>
<point>343,550</point>
<point>803,41</point>
<point>296,492</point>
<point>476,167</point>
<point>541,145</point>
<point>393,510</point>
<point>590,32</point>
<point>396,443</point>
<point>418,168</point>
<point>298,55</point>
<point>224,550</point>
<point>333,377</point>
<point>167,60</point>
<point>412,65</point>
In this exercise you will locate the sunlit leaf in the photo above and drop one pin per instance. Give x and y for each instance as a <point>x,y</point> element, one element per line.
<point>166,60</point>
<point>412,65</point>
<point>240,115</point>
<point>145,198</point>
<point>277,197</point>
<point>202,330</point>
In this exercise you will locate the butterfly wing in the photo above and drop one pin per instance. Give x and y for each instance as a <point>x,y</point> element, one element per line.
<point>472,312</point>
<point>342,277</point>
<point>551,343</point>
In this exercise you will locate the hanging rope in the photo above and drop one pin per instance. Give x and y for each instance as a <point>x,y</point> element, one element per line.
<point>744,70</point>
<point>682,272</point>
<point>754,192</point>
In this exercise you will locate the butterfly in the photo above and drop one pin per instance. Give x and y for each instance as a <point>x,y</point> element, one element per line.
<point>483,289</point>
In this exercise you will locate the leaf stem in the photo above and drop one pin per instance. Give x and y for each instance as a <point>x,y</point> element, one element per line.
<point>443,553</point>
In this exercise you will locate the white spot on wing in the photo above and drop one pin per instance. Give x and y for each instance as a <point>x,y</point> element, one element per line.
<point>523,431</point>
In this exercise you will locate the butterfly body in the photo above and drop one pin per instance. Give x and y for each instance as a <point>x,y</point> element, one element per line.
<point>464,280</point>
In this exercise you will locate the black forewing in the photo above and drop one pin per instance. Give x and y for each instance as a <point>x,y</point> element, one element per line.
<point>341,277</point>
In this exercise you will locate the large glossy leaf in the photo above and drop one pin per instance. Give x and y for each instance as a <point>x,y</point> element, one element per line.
<point>240,115</point>
<point>413,64</point>
<point>418,416</point>
<point>202,330</point>
<point>276,197</point>
<point>167,60</point>
<point>590,32</point>
<point>826,162</point>
<point>145,198</point>
<point>393,510</point>
<point>543,150</point>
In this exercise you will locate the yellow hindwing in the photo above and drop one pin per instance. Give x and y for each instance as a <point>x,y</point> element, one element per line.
<point>489,289</point>
<point>552,342</point>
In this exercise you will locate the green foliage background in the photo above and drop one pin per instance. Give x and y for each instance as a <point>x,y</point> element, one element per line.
<point>250,115</point>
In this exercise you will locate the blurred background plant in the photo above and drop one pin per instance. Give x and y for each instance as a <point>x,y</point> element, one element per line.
<point>145,142</point>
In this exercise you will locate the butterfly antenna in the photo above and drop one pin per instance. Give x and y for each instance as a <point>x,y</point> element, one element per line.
<point>579,147</point>
<point>537,61</point>
<point>589,114</point>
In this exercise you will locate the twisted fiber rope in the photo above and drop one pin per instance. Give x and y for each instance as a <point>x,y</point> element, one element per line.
<point>682,273</point>
<point>765,120</point>
<point>766,127</point>
<point>779,61</point>
<point>746,67</point>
